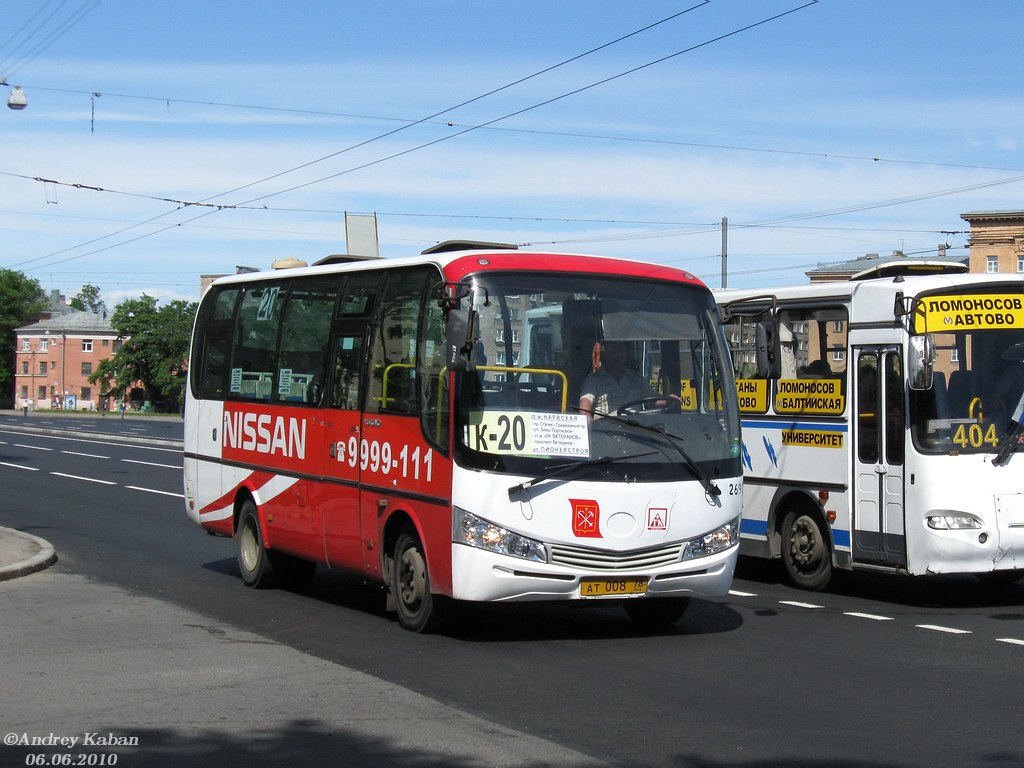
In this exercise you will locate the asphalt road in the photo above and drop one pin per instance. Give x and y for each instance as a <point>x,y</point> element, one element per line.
<point>880,671</point>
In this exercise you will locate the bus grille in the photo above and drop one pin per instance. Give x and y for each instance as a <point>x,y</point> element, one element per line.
<point>600,560</point>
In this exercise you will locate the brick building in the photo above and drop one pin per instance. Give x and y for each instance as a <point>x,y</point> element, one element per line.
<point>996,241</point>
<point>55,357</point>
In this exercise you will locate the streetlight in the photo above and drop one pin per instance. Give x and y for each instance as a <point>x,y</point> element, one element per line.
<point>17,98</point>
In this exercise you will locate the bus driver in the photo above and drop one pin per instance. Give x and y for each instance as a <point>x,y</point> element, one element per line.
<point>612,383</point>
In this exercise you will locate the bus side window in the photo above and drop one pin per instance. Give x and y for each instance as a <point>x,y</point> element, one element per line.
<point>253,359</point>
<point>305,330</point>
<point>211,348</point>
<point>433,380</point>
<point>393,345</point>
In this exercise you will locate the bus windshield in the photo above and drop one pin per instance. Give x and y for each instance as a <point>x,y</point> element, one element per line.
<point>976,391</point>
<point>622,377</point>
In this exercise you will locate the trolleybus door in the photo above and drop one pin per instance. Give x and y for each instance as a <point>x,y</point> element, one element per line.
<point>879,526</point>
<point>342,415</point>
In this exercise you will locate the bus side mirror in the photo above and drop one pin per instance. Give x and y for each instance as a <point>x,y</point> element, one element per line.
<point>921,362</point>
<point>768,351</point>
<point>459,339</point>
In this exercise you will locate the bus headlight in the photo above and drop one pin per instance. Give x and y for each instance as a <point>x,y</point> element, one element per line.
<point>952,521</point>
<point>474,531</point>
<point>712,543</point>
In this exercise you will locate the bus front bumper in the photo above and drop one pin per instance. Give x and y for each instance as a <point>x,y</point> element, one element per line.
<point>479,575</point>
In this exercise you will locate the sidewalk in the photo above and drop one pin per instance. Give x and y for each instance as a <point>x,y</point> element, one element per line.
<point>22,554</point>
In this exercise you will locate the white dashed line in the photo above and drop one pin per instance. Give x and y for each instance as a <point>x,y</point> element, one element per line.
<point>796,604</point>
<point>151,464</point>
<point>87,479</point>
<point>152,490</point>
<point>1010,640</point>
<point>18,466</point>
<point>33,447</point>
<point>872,616</point>
<point>87,455</point>
<point>737,593</point>
<point>947,630</point>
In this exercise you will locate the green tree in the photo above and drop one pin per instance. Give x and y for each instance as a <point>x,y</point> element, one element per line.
<point>153,352</point>
<point>21,301</point>
<point>88,300</point>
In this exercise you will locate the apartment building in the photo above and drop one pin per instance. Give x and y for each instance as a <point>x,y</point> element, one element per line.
<point>55,357</point>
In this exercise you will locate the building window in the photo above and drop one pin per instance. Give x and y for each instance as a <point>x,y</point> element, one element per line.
<point>838,355</point>
<point>993,264</point>
<point>86,395</point>
<point>44,345</point>
<point>106,342</point>
<point>87,369</point>
<point>87,345</point>
<point>954,355</point>
<point>1020,263</point>
<point>42,367</point>
<point>42,392</point>
<point>26,346</point>
<point>24,367</point>
<point>24,392</point>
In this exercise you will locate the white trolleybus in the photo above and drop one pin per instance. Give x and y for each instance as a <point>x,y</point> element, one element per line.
<point>880,425</point>
<point>401,419</point>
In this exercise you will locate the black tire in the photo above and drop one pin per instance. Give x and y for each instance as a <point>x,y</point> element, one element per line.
<point>418,609</point>
<point>253,560</point>
<point>805,551</point>
<point>656,612</point>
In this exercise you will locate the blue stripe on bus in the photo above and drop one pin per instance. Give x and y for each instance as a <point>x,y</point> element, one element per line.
<point>795,425</point>
<point>754,527</point>
<point>840,537</point>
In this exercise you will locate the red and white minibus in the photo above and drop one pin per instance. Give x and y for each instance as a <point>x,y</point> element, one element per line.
<point>418,421</point>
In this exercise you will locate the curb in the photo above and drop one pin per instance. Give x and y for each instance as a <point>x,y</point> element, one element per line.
<point>43,558</point>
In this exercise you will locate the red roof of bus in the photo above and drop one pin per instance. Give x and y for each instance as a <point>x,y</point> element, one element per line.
<point>466,263</point>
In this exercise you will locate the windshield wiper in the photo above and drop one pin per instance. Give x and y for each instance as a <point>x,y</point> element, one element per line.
<point>674,441</point>
<point>570,468</point>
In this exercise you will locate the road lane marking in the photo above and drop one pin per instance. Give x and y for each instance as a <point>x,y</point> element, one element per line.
<point>33,447</point>
<point>87,479</point>
<point>18,466</point>
<point>797,604</point>
<point>737,593</point>
<point>872,616</point>
<point>153,490</point>
<point>151,464</point>
<point>87,455</point>
<point>947,630</point>
<point>1010,640</point>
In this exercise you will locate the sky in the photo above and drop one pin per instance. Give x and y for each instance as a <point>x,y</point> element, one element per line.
<point>165,141</point>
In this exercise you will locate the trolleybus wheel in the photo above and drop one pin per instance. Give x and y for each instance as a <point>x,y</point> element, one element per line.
<point>417,610</point>
<point>805,551</point>
<point>656,612</point>
<point>252,555</point>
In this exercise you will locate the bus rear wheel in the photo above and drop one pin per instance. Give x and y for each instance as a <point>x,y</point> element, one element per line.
<point>417,608</point>
<point>805,551</point>
<point>252,554</point>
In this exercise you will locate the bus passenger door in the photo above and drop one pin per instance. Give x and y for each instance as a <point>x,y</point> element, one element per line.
<point>340,453</point>
<point>879,524</point>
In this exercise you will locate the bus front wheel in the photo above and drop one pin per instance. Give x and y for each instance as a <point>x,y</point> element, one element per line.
<point>252,555</point>
<point>416,606</point>
<point>805,551</point>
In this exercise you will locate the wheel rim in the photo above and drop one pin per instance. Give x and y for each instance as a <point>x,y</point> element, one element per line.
<point>412,579</point>
<point>249,544</point>
<point>806,548</point>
